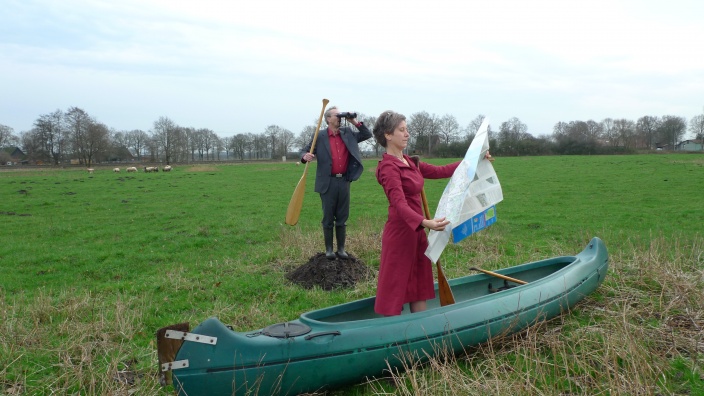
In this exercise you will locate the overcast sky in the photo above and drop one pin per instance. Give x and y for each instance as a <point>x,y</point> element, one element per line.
<point>239,66</point>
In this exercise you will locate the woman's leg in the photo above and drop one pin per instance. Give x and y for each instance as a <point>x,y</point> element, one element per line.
<point>417,306</point>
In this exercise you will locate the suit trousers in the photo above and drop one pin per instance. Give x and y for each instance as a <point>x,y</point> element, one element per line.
<point>336,202</point>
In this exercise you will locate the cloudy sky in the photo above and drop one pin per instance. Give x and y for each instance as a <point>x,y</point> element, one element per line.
<point>239,66</point>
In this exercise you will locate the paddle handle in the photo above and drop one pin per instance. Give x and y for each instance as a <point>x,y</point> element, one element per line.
<point>446,296</point>
<point>508,278</point>
<point>317,129</point>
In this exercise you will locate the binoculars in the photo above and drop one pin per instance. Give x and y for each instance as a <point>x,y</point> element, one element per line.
<point>346,115</point>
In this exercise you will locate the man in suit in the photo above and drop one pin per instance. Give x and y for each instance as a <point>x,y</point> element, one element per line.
<point>339,164</point>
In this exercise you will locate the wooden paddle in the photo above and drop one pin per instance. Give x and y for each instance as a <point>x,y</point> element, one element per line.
<point>508,278</point>
<point>294,207</point>
<point>446,296</point>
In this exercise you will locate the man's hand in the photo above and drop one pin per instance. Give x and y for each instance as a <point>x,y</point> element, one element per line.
<point>308,157</point>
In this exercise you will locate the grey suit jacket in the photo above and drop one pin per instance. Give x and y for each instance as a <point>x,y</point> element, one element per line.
<point>324,157</point>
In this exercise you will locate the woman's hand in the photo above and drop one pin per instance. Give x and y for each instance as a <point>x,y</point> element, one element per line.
<point>436,224</point>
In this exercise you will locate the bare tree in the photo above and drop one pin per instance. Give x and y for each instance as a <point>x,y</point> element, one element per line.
<point>165,136</point>
<point>305,136</point>
<point>279,140</point>
<point>89,138</point>
<point>217,146</point>
<point>7,136</point>
<point>448,128</point>
<point>672,128</point>
<point>647,128</point>
<point>33,145</point>
<point>137,141</point>
<point>609,132</point>
<point>260,147</point>
<point>625,130</point>
<point>251,145</point>
<point>594,130</point>
<point>210,142</point>
<point>52,133</point>
<point>473,127</point>
<point>511,133</point>
<point>560,129</point>
<point>423,129</point>
<point>197,143</point>
<point>239,145</point>
<point>576,137</point>
<point>696,127</point>
<point>119,138</point>
<point>371,144</point>
<point>227,146</point>
<point>286,139</point>
<point>191,143</point>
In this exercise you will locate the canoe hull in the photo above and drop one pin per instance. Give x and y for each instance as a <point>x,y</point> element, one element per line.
<point>347,343</point>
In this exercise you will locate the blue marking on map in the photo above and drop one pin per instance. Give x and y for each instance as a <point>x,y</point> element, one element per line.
<point>477,223</point>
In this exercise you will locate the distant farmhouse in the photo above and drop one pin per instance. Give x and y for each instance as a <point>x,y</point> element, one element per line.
<point>690,145</point>
<point>120,154</point>
<point>12,156</point>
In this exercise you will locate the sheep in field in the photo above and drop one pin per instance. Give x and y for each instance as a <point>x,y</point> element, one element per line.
<point>131,169</point>
<point>90,170</point>
<point>167,168</point>
<point>148,169</point>
<point>116,170</point>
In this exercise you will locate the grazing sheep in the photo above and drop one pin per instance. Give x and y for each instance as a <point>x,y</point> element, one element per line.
<point>131,169</point>
<point>167,168</point>
<point>90,170</point>
<point>149,169</point>
<point>116,170</point>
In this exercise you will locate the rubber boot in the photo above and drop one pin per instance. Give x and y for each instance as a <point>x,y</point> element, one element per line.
<point>328,243</point>
<point>341,234</point>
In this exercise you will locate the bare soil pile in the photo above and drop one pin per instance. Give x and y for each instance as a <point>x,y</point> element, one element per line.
<point>330,274</point>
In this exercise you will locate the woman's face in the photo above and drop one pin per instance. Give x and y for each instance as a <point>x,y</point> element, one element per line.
<point>399,137</point>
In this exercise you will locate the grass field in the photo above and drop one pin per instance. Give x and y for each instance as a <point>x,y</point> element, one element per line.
<point>91,265</point>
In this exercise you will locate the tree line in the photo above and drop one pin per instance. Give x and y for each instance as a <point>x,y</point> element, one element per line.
<point>74,135</point>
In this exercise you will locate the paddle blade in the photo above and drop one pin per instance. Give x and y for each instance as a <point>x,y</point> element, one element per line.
<point>446,296</point>
<point>294,207</point>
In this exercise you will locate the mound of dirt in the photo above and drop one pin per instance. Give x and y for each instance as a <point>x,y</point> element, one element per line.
<point>330,274</point>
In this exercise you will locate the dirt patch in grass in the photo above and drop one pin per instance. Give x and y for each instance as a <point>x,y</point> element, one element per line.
<point>202,168</point>
<point>330,274</point>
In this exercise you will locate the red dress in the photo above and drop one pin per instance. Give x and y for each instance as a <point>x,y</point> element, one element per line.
<point>405,273</point>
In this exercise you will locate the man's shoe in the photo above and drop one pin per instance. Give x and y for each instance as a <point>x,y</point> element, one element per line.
<point>341,234</point>
<point>327,232</point>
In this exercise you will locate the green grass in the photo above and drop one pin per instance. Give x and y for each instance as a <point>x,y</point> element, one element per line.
<point>93,264</point>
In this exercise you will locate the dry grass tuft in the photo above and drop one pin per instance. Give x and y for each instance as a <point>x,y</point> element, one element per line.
<point>363,240</point>
<point>202,168</point>
<point>92,339</point>
<point>621,340</point>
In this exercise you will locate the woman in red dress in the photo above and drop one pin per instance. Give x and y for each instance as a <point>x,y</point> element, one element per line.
<point>405,273</point>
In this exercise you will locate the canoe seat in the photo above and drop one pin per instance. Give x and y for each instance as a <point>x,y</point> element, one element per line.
<point>286,330</point>
<point>506,286</point>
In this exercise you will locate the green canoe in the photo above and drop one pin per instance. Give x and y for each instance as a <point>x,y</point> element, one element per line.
<point>347,343</point>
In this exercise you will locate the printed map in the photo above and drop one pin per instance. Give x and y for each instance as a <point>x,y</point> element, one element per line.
<point>469,199</point>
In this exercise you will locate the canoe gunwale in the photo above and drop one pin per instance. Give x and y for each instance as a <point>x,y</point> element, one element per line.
<point>310,319</point>
<point>434,337</point>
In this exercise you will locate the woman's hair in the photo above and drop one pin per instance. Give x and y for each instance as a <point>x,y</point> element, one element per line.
<point>385,124</point>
